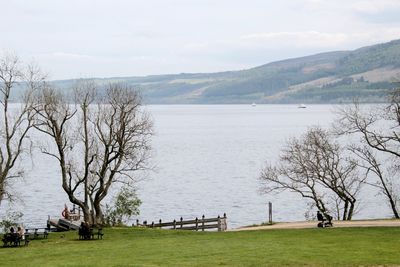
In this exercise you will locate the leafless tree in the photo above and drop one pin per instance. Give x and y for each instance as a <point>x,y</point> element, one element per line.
<point>98,144</point>
<point>16,79</point>
<point>318,169</point>
<point>377,128</point>
<point>373,166</point>
<point>289,174</point>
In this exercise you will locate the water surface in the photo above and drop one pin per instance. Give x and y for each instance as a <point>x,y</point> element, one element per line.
<point>208,159</point>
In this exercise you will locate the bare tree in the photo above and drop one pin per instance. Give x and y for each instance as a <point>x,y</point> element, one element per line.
<point>98,145</point>
<point>378,127</point>
<point>317,169</point>
<point>382,181</point>
<point>16,120</point>
<point>378,132</point>
<point>290,174</point>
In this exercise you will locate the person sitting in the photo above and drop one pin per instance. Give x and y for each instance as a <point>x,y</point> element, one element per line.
<point>320,217</point>
<point>84,231</point>
<point>87,230</point>
<point>13,237</point>
<point>21,232</point>
<point>13,233</point>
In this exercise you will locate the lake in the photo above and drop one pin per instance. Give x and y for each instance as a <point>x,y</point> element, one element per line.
<point>207,161</point>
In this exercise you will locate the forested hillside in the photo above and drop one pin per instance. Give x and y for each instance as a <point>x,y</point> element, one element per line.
<point>366,73</point>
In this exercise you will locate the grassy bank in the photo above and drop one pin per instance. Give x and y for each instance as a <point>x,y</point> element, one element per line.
<point>147,247</point>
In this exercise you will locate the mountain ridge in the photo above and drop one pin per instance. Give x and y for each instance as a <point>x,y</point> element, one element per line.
<point>366,73</point>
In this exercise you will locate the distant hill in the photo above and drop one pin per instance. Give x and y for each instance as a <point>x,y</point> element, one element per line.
<point>366,73</point>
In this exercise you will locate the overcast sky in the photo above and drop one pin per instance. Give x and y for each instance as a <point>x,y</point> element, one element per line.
<point>98,38</point>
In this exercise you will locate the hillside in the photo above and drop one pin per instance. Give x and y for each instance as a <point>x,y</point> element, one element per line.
<point>366,73</point>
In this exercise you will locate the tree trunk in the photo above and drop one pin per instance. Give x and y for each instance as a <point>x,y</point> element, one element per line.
<point>86,214</point>
<point>1,192</point>
<point>351,210</point>
<point>346,206</point>
<point>393,206</point>
<point>390,198</point>
<point>99,217</point>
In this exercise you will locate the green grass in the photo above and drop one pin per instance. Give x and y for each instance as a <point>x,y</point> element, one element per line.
<point>148,247</point>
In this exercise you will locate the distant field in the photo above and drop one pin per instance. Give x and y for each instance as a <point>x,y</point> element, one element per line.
<point>147,247</point>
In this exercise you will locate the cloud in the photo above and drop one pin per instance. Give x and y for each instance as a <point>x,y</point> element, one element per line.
<point>362,6</point>
<point>322,40</point>
<point>63,55</point>
<point>375,6</point>
<point>299,38</point>
<point>192,36</point>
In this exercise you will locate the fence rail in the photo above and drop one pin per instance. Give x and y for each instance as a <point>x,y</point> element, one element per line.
<point>197,224</point>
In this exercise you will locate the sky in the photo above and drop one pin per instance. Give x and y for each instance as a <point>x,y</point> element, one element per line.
<point>98,38</point>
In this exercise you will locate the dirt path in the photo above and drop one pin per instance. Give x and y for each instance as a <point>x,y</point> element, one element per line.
<point>313,224</point>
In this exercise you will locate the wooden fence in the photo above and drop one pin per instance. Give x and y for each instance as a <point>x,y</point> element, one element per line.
<point>194,225</point>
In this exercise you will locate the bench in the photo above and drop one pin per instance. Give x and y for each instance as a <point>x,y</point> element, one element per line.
<point>14,240</point>
<point>37,233</point>
<point>94,232</point>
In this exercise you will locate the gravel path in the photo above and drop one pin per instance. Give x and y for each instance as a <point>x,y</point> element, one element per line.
<point>313,224</point>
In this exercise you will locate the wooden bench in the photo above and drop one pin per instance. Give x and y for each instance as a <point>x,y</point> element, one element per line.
<point>14,240</point>
<point>94,232</point>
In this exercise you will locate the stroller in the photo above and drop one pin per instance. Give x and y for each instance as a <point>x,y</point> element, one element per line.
<point>324,222</point>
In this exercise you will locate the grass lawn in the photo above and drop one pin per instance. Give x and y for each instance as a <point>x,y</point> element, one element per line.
<point>150,247</point>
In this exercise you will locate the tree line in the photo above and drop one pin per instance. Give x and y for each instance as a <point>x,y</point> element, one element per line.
<point>100,141</point>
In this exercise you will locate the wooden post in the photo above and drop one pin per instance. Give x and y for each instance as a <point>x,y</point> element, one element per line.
<point>181,222</point>
<point>160,223</point>
<point>174,224</point>
<point>152,224</point>
<point>202,223</point>
<point>219,223</point>
<point>270,212</point>
<point>197,224</point>
<point>137,222</point>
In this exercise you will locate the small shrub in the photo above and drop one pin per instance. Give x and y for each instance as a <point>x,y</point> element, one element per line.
<point>126,205</point>
<point>11,219</point>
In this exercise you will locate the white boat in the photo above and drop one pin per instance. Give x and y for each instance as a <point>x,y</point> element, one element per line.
<point>302,106</point>
<point>253,105</point>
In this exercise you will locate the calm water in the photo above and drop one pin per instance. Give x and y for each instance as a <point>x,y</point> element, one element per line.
<point>208,159</point>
